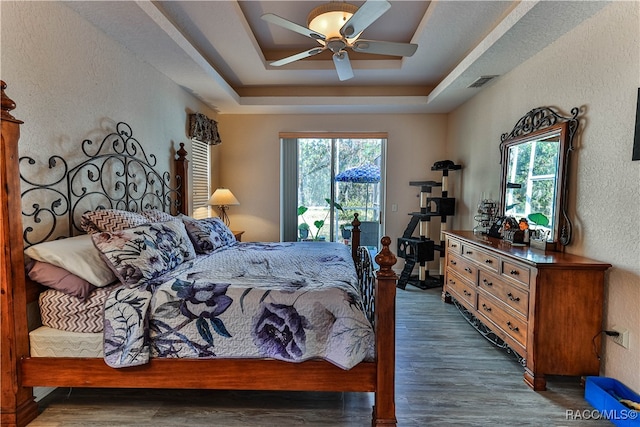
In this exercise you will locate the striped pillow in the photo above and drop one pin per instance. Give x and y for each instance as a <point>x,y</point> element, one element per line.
<point>67,313</point>
<point>110,220</point>
<point>156,215</point>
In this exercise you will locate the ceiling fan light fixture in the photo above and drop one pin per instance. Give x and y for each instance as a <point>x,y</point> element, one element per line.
<point>329,18</point>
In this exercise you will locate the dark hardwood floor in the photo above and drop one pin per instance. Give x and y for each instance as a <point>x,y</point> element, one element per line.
<point>447,375</point>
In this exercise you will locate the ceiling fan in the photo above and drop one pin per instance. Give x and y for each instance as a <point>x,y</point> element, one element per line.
<point>337,26</point>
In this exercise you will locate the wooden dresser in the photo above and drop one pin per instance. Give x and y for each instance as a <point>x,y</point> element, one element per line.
<point>545,306</point>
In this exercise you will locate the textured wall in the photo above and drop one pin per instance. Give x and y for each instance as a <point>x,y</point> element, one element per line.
<point>596,67</point>
<point>250,163</point>
<point>71,82</point>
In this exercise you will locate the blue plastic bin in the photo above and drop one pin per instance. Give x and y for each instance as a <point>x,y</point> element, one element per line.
<point>603,394</point>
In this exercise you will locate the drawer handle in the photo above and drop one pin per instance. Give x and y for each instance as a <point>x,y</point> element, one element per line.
<point>467,293</point>
<point>514,272</point>
<point>453,282</point>
<point>454,246</point>
<point>488,261</point>
<point>453,262</point>
<point>469,252</point>
<point>513,328</point>
<point>468,270</point>
<point>486,282</point>
<point>512,298</point>
<point>485,307</point>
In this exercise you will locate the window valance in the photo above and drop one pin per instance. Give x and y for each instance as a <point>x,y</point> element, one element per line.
<point>204,129</point>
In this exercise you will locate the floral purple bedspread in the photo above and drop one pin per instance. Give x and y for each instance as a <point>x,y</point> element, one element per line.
<point>287,301</point>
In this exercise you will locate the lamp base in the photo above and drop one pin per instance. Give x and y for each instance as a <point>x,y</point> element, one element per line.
<point>223,215</point>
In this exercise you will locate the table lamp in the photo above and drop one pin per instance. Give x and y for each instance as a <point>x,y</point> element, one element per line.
<point>223,198</point>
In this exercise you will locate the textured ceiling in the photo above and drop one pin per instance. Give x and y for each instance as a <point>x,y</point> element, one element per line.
<point>220,51</point>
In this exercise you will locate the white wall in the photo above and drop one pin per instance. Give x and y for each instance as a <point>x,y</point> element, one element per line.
<point>250,163</point>
<point>595,67</point>
<point>71,82</point>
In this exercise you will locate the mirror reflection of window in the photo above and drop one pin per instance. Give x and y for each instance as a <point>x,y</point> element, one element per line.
<point>532,172</point>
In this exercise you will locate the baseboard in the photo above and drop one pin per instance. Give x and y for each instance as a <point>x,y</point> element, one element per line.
<point>40,393</point>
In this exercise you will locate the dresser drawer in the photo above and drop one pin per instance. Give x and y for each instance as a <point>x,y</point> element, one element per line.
<point>463,267</point>
<point>514,297</point>
<point>516,272</point>
<point>509,323</point>
<point>487,260</point>
<point>454,246</point>
<point>461,290</point>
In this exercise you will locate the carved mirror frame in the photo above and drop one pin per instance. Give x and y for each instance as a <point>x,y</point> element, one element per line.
<point>536,125</point>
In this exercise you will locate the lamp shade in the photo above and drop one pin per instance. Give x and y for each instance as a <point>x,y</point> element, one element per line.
<point>223,197</point>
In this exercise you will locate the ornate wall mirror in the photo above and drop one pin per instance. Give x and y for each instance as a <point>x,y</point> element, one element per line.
<point>534,158</point>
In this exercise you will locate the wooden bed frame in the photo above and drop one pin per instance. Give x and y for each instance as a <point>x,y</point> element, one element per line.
<point>20,372</point>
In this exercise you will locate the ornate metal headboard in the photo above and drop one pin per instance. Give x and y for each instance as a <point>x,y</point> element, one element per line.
<point>116,174</point>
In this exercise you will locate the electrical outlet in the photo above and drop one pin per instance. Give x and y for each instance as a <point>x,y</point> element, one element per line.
<point>622,338</point>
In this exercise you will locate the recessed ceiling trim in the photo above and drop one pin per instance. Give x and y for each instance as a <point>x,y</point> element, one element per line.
<point>499,31</point>
<point>174,33</point>
<point>333,91</point>
<point>397,102</point>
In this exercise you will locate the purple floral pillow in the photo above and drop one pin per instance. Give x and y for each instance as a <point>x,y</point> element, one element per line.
<point>137,255</point>
<point>208,234</point>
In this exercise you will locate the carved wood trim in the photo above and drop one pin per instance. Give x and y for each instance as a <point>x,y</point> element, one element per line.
<point>17,404</point>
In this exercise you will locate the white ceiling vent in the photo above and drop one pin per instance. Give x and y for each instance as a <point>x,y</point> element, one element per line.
<point>481,81</point>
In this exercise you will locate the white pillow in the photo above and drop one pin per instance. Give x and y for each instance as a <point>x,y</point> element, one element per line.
<point>77,255</point>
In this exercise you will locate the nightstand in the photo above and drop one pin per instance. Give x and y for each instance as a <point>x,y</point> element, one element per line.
<point>238,235</point>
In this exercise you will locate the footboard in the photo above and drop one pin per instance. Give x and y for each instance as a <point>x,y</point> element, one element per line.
<point>366,281</point>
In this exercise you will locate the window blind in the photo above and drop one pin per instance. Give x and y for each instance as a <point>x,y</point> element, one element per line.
<point>200,160</point>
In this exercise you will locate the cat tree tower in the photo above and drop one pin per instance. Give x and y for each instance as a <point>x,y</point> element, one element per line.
<point>421,250</point>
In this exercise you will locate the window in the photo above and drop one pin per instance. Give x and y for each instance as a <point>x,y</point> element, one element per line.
<point>321,171</point>
<point>201,181</point>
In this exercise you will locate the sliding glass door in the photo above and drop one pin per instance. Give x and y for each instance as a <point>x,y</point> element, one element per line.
<point>335,177</point>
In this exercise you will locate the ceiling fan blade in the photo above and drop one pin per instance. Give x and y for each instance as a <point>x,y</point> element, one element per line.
<point>343,65</point>
<point>297,56</point>
<point>364,16</point>
<point>384,48</point>
<point>284,23</point>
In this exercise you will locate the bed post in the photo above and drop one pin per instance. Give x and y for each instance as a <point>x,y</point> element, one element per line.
<point>182,170</point>
<point>355,237</point>
<point>384,411</point>
<point>17,406</point>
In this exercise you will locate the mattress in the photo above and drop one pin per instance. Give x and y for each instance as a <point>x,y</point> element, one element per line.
<point>50,342</point>
<point>286,301</point>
